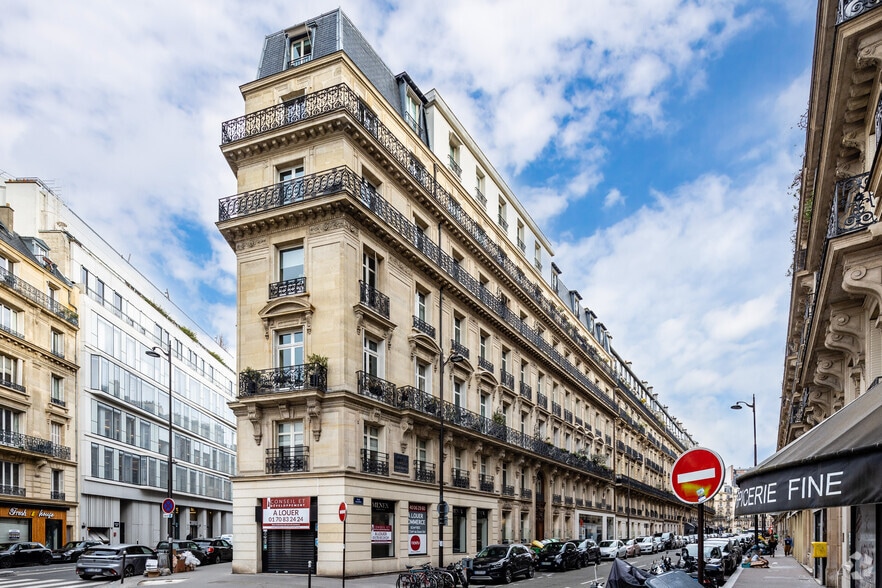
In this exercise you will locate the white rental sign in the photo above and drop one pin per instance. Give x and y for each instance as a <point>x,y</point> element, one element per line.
<point>288,512</point>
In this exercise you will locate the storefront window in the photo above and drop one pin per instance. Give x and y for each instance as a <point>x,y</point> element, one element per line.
<point>382,528</point>
<point>417,529</point>
<point>460,529</point>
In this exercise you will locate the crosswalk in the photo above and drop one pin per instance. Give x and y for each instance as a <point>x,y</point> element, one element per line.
<point>23,581</point>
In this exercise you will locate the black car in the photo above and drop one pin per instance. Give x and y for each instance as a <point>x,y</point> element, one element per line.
<point>72,550</point>
<point>114,561</point>
<point>559,555</point>
<point>181,545</point>
<point>24,553</point>
<point>589,551</point>
<point>502,562</point>
<point>216,549</point>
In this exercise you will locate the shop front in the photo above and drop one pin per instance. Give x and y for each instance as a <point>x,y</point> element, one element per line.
<point>19,522</point>
<point>289,527</point>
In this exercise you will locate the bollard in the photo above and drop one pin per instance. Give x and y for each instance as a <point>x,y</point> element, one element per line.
<point>309,574</point>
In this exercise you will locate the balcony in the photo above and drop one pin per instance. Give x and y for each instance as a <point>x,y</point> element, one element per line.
<point>485,365</point>
<point>460,478</point>
<point>454,166</point>
<point>526,493</point>
<point>457,348</point>
<point>507,379</point>
<point>852,207</point>
<point>56,495</point>
<point>374,462</point>
<point>508,490</point>
<point>479,196</point>
<point>568,501</point>
<point>300,60</point>
<point>502,222</point>
<point>521,245</point>
<point>12,490</point>
<point>849,9</point>
<point>58,402</point>
<point>373,299</point>
<point>485,483</point>
<point>10,384</point>
<point>287,288</point>
<point>34,295</point>
<point>10,331</point>
<point>281,460</point>
<point>424,471</point>
<point>34,444</point>
<point>307,376</point>
<point>424,327</point>
<point>526,391</point>
<point>568,416</point>
<point>556,499</point>
<point>542,400</point>
<point>378,389</point>
<point>555,409</point>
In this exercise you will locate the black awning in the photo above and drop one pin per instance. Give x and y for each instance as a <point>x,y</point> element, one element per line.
<point>836,463</point>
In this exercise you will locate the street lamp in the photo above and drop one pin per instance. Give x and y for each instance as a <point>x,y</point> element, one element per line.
<point>159,352</point>
<point>752,407</point>
<point>442,506</point>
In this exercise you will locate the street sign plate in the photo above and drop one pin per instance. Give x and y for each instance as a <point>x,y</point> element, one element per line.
<point>168,506</point>
<point>697,475</point>
<point>342,512</point>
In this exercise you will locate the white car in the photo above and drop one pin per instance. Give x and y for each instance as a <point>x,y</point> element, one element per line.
<point>612,548</point>
<point>647,544</point>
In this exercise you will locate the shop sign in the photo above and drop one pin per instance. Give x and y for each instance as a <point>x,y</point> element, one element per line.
<point>286,513</point>
<point>417,527</point>
<point>381,534</point>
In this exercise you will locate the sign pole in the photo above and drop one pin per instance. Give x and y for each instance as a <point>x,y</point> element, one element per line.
<point>701,544</point>
<point>342,514</point>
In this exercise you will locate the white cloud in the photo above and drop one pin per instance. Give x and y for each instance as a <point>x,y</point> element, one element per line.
<point>613,198</point>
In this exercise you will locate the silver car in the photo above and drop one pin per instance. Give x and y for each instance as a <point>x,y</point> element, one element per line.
<point>112,561</point>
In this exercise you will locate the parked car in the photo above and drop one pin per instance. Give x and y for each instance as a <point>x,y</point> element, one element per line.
<point>589,552</point>
<point>730,556</point>
<point>713,554</point>
<point>632,547</point>
<point>24,553</point>
<point>559,555</point>
<point>502,562</point>
<point>667,541</point>
<point>612,548</point>
<point>228,537</point>
<point>185,545</point>
<point>647,544</point>
<point>216,549</point>
<point>72,550</point>
<point>106,561</point>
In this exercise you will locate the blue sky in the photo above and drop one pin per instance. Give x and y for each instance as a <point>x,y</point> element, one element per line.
<point>652,140</point>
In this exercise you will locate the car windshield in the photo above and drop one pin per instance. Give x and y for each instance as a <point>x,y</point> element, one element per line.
<point>607,543</point>
<point>493,551</point>
<point>102,552</point>
<point>551,547</point>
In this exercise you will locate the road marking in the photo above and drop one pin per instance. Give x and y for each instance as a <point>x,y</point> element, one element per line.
<point>698,475</point>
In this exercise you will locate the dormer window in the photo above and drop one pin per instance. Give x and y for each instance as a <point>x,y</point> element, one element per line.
<point>300,51</point>
<point>412,112</point>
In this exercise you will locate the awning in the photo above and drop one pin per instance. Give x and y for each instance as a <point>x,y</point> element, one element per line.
<point>836,463</point>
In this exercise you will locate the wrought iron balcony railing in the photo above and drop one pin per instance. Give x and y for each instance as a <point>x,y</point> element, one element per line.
<point>306,376</point>
<point>280,460</point>
<point>556,499</point>
<point>521,245</point>
<point>373,299</point>
<point>287,288</point>
<point>526,391</point>
<point>35,444</point>
<point>380,389</point>
<point>424,327</point>
<point>542,400</point>
<point>555,409</point>
<point>460,478</point>
<point>56,495</point>
<point>484,364</point>
<point>300,60</point>
<point>374,462</point>
<point>424,471</point>
<point>526,493</point>
<point>12,490</point>
<point>849,9</point>
<point>508,490</point>
<point>459,349</point>
<point>485,483</point>
<point>454,166</point>
<point>568,416</point>
<point>852,207</point>
<point>11,331</point>
<point>15,283</point>
<point>479,196</point>
<point>10,384</point>
<point>506,379</point>
<point>502,222</point>
<point>58,402</point>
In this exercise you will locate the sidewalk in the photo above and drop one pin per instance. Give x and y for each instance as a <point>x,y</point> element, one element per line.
<point>218,574</point>
<point>783,572</point>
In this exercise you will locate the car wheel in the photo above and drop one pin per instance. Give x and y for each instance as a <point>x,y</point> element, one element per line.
<point>46,559</point>
<point>507,577</point>
<point>531,572</point>
<point>130,571</point>
<point>86,577</point>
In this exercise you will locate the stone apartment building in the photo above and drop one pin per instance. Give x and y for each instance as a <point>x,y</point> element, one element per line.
<point>407,349</point>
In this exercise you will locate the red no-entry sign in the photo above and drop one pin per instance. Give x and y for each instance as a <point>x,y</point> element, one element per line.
<point>342,512</point>
<point>697,475</point>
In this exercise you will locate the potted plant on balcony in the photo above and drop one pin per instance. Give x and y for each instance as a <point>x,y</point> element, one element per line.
<point>316,370</point>
<point>251,381</point>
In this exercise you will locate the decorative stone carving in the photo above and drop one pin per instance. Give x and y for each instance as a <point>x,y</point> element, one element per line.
<point>290,311</point>
<point>314,417</point>
<point>862,277</point>
<point>246,244</point>
<point>332,224</point>
<point>255,415</point>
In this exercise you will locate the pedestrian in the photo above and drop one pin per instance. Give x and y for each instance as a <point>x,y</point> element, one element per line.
<point>773,545</point>
<point>788,544</point>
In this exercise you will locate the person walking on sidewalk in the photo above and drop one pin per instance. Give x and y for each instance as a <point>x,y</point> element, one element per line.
<point>788,544</point>
<point>773,545</point>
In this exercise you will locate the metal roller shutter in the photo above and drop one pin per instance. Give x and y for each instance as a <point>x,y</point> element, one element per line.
<point>290,551</point>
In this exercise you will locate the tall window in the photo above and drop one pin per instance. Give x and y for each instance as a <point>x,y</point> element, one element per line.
<point>6,264</point>
<point>290,263</point>
<point>301,50</point>
<point>537,256</point>
<point>289,437</point>
<point>422,377</point>
<point>420,310</point>
<point>521,243</point>
<point>540,383</point>
<point>8,369</point>
<point>371,440</point>
<point>421,453</point>
<point>57,390</point>
<point>291,188</point>
<point>58,484</point>
<point>412,112</point>
<point>506,356</point>
<point>483,405</point>
<point>9,475</point>
<point>10,319</point>
<point>289,348</point>
<point>457,394</point>
<point>457,329</point>
<point>503,214</point>
<point>9,420</point>
<point>369,269</point>
<point>373,356</point>
<point>56,433</point>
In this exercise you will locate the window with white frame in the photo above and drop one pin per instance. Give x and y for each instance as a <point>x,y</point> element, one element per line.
<point>289,438</point>
<point>56,343</point>
<point>521,243</point>
<point>373,356</point>
<point>371,441</point>
<point>57,484</point>
<point>412,111</point>
<point>6,264</point>
<point>537,256</point>
<point>369,269</point>
<point>457,394</point>
<point>503,214</point>
<point>9,370</point>
<point>290,263</point>
<point>10,319</point>
<point>299,50</point>
<point>421,454</point>
<point>291,183</point>
<point>289,348</point>
<point>422,380</point>
<point>484,345</point>
<point>484,403</point>
<point>457,329</point>
<point>10,476</point>
<point>56,390</point>
<point>421,305</point>
<point>56,433</point>
<point>9,420</point>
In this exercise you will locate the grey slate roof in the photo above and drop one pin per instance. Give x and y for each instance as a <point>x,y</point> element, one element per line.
<point>24,246</point>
